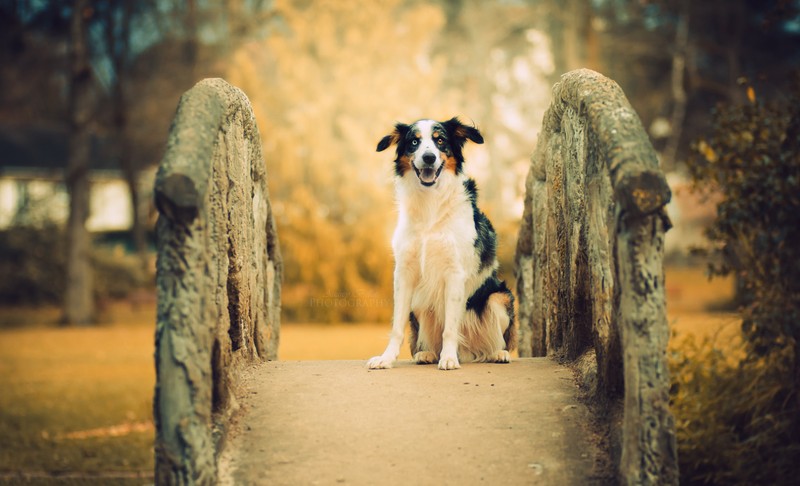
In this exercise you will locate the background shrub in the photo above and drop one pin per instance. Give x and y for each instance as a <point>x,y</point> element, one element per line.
<point>734,420</point>
<point>752,160</point>
<point>739,419</point>
<point>33,265</point>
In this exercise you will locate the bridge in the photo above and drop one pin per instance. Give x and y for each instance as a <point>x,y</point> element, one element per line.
<point>586,403</point>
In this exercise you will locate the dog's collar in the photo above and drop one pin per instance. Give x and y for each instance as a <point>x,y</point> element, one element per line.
<point>435,178</point>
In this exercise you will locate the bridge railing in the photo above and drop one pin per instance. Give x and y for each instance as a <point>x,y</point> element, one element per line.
<point>589,266</point>
<point>218,276</point>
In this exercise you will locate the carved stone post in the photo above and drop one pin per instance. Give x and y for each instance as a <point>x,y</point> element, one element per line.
<point>218,276</point>
<point>589,258</point>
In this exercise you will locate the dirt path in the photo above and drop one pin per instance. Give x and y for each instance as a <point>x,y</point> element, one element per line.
<point>334,422</point>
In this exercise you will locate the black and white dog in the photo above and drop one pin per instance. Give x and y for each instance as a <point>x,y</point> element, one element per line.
<point>445,276</point>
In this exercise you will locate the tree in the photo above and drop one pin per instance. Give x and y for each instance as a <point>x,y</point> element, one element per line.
<point>677,59</point>
<point>116,17</point>
<point>78,298</point>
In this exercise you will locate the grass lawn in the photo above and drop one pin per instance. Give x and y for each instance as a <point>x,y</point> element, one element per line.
<point>78,400</point>
<point>76,403</point>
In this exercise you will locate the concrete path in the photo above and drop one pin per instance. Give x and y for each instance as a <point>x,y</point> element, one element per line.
<point>334,422</point>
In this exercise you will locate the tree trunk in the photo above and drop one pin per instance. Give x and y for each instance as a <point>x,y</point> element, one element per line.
<point>796,382</point>
<point>138,229</point>
<point>78,297</point>
<point>678,91</point>
<point>190,47</point>
<point>118,40</point>
<point>575,12</point>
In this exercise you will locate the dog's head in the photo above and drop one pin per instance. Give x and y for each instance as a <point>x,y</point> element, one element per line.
<point>428,147</point>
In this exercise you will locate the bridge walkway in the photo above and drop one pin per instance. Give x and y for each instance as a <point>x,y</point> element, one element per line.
<point>335,422</point>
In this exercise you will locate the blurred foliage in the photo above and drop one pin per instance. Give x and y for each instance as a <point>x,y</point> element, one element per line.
<point>740,423</point>
<point>736,420</point>
<point>751,161</point>
<point>33,261</point>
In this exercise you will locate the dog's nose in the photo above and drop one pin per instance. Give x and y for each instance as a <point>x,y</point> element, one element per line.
<point>428,158</point>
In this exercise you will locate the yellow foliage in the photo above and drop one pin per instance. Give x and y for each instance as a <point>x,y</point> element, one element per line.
<point>327,82</point>
<point>707,151</point>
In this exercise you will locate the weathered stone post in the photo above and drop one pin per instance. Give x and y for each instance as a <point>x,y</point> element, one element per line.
<point>589,265</point>
<point>218,277</point>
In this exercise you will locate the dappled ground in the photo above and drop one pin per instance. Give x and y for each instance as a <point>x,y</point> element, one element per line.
<point>79,400</point>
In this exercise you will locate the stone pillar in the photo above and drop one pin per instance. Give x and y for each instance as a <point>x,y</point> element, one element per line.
<point>218,276</point>
<point>589,264</point>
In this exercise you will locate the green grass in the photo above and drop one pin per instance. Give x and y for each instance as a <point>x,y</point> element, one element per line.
<point>68,395</point>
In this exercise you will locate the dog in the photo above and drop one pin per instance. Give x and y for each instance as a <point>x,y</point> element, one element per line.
<point>445,275</point>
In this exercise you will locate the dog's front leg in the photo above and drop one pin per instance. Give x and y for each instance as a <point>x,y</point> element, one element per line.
<point>402,313</point>
<point>454,308</point>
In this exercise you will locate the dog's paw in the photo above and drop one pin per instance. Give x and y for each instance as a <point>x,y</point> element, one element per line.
<point>501,356</point>
<point>379,363</point>
<point>425,357</point>
<point>447,362</point>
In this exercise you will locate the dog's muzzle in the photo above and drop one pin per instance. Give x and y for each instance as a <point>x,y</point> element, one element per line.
<point>427,175</point>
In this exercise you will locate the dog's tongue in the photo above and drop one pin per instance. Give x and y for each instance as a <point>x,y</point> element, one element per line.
<point>427,175</point>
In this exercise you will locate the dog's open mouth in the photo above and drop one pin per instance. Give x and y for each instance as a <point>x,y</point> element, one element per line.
<point>428,176</point>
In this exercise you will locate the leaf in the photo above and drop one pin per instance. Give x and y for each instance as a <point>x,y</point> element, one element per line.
<point>751,94</point>
<point>707,151</point>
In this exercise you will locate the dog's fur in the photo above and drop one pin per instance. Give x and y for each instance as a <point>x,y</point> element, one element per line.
<point>445,277</point>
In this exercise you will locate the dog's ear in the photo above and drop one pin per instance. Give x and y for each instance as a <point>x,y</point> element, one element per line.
<point>462,132</point>
<point>399,132</point>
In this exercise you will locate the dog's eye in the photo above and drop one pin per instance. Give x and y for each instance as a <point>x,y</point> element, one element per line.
<point>414,142</point>
<point>440,141</point>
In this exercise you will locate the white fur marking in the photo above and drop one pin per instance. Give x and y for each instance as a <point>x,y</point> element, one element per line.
<point>426,144</point>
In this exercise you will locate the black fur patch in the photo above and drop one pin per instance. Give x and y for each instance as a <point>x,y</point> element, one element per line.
<point>478,300</point>
<point>486,240</point>
<point>457,135</point>
<point>414,334</point>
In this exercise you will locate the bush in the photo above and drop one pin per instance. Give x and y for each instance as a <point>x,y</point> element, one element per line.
<point>33,265</point>
<point>735,419</point>
<point>752,160</point>
<point>739,423</point>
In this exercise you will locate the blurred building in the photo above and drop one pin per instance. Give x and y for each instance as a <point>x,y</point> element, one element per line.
<point>32,189</point>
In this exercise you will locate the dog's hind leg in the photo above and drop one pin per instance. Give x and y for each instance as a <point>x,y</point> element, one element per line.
<point>421,346</point>
<point>500,312</point>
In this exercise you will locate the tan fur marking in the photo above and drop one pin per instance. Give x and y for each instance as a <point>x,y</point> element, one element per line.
<point>405,163</point>
<point>449,163</point>
<point>499,298</point>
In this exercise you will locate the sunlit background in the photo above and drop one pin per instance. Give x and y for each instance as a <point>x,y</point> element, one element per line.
<point>327,80</point>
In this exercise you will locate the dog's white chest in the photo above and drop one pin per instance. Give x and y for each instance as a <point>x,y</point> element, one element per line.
<point>436,246</point>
